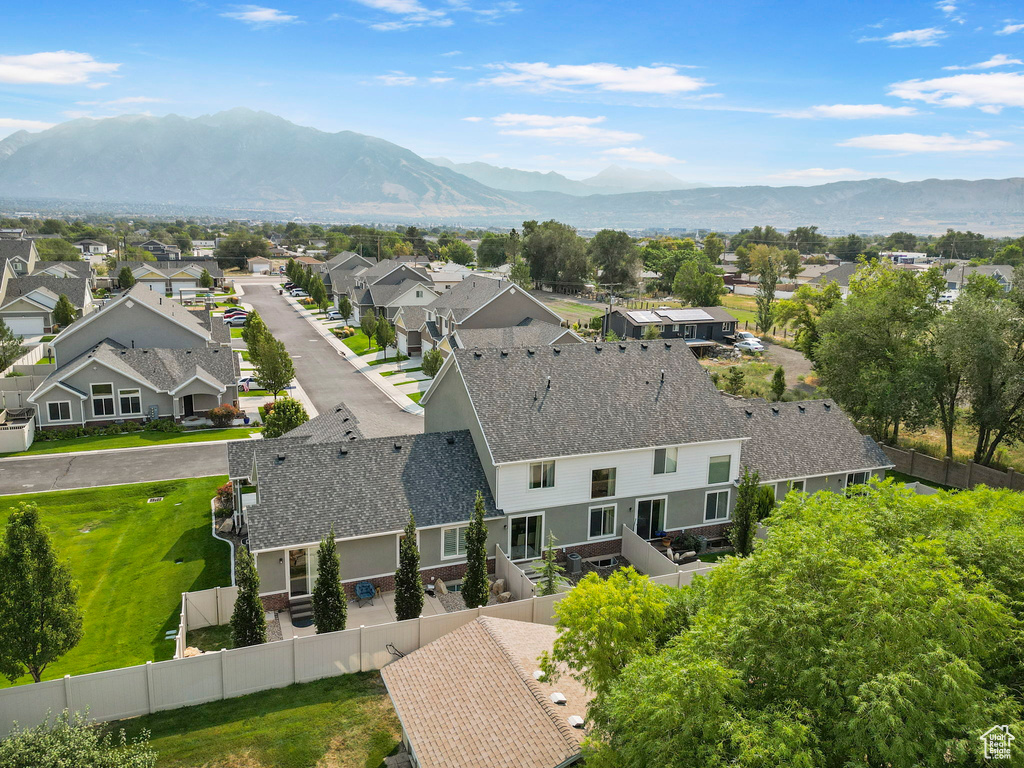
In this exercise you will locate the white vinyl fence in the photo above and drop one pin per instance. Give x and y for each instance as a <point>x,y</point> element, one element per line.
<point>516,580</point>
<point>644,557</point>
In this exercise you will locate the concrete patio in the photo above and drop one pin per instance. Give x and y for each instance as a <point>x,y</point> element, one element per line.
<point>381,612</point>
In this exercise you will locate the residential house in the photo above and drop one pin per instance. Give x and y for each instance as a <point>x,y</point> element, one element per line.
<point>484,312</point>
<point>447,274</point>
<point>171,276</point>
<point>162,251</point>
<point>408,322</point>
<point>28,302</point>
<point>702,328</point>
<point>840,275</point>
<point>19,256</point>
<point>340,272</point>
<point>90,247</point>
<point>309,261</point>
<point>142,356</point>
<point>259,265</point>
<point>12,233</point>
<point>489,709</point>
<point>574,440</point>
<point>956,278</point>
<point>388,285</point>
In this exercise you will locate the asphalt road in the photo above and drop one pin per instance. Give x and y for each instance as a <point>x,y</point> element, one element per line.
<point>325,376</point>
<point>89,469</point>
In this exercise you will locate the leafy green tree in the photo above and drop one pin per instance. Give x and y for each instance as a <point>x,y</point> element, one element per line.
<point>458,252</point>
<point>254,331</point>
<point>368,325</point>
<point>475,586</point>
<point>743,263</point>
<point>274,369</point>
<point>491,251</point>
<point>125,278</point>
<point>551,580</point>
<point>11,347</point>
<point>384,334</point>
<point>699,283</point>
<point>39,616</point>
<point>287,414</point>
<point>806,240</point>
<point>618,257</point>
<point>713,247</point>
<point>330,606</point>
<point>64,312</point>
<point>71,740</point>
<point>804,310</point>
<point>963,245</point>
<point>236,249</point>
<point>248,619</point>
<point>520,274</point>
<point>732,382</point>
<point>206,279</point>
<point>767,265</point>
<point>765,501</point>
<point>848,248</point>
<point>556,253</point>
<point>651,332</point>
<point>318,292</point>
<point>345,307</point>
<point>291,268</point>
<point>791,264</point>
<point>778,383</point>
<point>901,241</point>
<point>57,250</point>
<point>612,336</point>
<point>408,582</point>
<point>432,362</point>
<point>744,515</point>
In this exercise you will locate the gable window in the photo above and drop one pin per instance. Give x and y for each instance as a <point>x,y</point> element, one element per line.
<point>419,294</point>
<point>665,460</point>
<point>602,483</point>
<point>602,521</point>
<point>719,469</point>
<point>716,505</point>
<point>102,399</point>
<point>689,331</point>
<point>542,475</point>
<point>60,411</point>
<point>726,327</point>
<point>131,401</point>
<point>454,541</point>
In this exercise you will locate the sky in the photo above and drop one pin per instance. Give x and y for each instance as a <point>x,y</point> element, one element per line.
<point>720,93</point>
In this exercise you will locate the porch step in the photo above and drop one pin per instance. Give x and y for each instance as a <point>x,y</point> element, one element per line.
<point>301,608</point>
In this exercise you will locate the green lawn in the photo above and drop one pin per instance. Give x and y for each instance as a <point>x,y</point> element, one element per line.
<point>415,396</point>
<point>44,361</point>
<point>210,638</point>
<point>236,333</point>
<point>403,383</point>
<point>341,722</point>
<point>133,440</point>
<point>711,557</point>
<point>245,355</point>
<point>255,393</point>
<point>48,338</point>
<point>396,358</point>
<point>122,551</point>
<point>404,370</point>
<point>359,344</point>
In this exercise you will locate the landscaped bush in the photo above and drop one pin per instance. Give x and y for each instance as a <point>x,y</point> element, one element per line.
<point>223,415</point>
<point>226,496</point>
<point>131,426</point>
<point>164,425</point>
<point>113,429</point>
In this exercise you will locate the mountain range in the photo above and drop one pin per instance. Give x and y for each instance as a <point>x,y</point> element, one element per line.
<point>260,165</point>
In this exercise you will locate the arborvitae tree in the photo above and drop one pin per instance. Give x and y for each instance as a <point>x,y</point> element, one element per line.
<point>744,514</point>
<point>368,324</point>
<point>287,414</point>
<point>248,620</point>
<point>651,332</point>
<point>330,606</point>
<point>289,269</point>
<point>125,278</point>
<point>206,279</point>
<point>432,362</point>
<point>475,586</point>
<point>765,501</point>
<point>64,312</point>
<point>274,369</point>
<point>39,616</point>
<point>551,579</point>
<point>11,347</point>
<point>779,383</point>
<point>408,583</point>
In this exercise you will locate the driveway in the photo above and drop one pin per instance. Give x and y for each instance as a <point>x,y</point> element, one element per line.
<point>89,469</point>
<point>791,360</point>
<point>326,377</point>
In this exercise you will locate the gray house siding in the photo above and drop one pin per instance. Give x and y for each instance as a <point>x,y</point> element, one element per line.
<point>431,541</point>
<point>507,310</point>
<point>135,326</point>
<point>453,412</point>
<point>272,571</point>
<point>703,331</point>
<point>99,374</point>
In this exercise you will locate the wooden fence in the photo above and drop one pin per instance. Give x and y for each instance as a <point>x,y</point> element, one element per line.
<point>952,473</point>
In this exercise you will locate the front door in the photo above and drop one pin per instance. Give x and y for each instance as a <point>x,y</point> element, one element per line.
<point>650,517</point>
<point>526,541</point>
<point>188,409</point>
<point>298,572</point>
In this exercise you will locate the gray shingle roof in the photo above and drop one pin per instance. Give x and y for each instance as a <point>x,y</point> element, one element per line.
<point>75,288</point>
<point>167,267</point>
<point>601,397</point>
<point>380,269</point>
<point>412,317</point>
<point>304,489</point>
<point>383,295</point>
<point>200,323</point>
<point>9,249</point>
<point>529,333</point>
<point>803,439</point>
<point>467,297</point>
<point>841,274</point>
<point>77,268</point>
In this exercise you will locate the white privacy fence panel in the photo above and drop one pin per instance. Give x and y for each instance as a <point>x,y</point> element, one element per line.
<point>29,704</point>
<point>114,694</point>
<point>183,682</point>
<point>644,557</point>
<point>334,653</point>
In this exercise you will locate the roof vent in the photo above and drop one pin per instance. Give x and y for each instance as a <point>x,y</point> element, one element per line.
<point>558,698</point>
<point>643,345</point>
<point>749,412</point>
<point>576,721</point>
<point>662,374</point>
<point>398,446</point>
<point>597,347</point>
<point>280,458</point>
<point>667,345</point>
<point>353,437</point>
<point>622,347</point>
<point>828,406</point>
<point>531,352</point>
<point>801,408</point>
<point>504,353</point>
<point>549,382</point>
<point>478,355</point>
<point>343,451</point>
<point>450,439</point>
<point>348,432</point>
<point>775,410</point>
<point>556,350</point>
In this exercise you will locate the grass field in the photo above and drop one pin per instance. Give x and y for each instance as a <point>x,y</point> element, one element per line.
<point>359,344</point>
<point>415,397</point>
<point>132,560</point>
<point>236,333</point>
<point>210,638</point>
<point>340,722</point>
<point>933,443</point>
<point>133,440</point>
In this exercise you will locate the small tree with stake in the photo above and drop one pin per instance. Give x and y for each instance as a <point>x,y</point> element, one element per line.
<point>206,279</point>
<point>475,586</point>
<point>385,335</point>
<point>408,582</point>
<point>368,324</point>
<point>432,362</point>
<point>330,606</point>
<point>248,620</point>
<point>345,307</point>
<point>125,278</point>
<point>274,369</point>
<point>551,579</point>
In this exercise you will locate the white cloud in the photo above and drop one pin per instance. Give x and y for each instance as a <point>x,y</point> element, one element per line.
<point>541,76</point>
<point>544,121</point>
<point>851,111</point>
<point>258,16</point>
<point>123,101</point>
<point>452,53</point>
<point>990,91</point>
<point>999,60</point>
<point>53,68</point>
<point>1010,29</point>
<point>472,119</point>
<point>439,80</point>
<point>821,174</point>
<point>639,155</point>
<point>396,78</point>
<point>414,14</point>
<point>911,38</point>
<point>946,7</point>
<point>581,134</point>
<point>916,142</point>
<point>11,124</point>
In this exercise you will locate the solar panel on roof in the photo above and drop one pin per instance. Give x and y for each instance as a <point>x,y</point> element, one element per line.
<point>640,316</point>
<point>685,315</point>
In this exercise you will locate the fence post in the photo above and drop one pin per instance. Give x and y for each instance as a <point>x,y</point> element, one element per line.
<point>223,675</point>
<point>150,687</point>
<point>533,609</point>
<point>910,471</point>
<point>946,464</point>
<point>69,704</point>
<point>216,596</point>
<point>1009,477</point>
<point>361,628</point>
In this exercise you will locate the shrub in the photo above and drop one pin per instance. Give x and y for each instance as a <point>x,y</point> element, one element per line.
<point>223,415</point>
<point>685,542</point>
<point>131,426</point>
<point>164,425</point>
<point>114,429</point>
<point>226,496</point>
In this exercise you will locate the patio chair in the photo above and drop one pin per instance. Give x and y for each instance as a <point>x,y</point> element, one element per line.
<point>365,592</point>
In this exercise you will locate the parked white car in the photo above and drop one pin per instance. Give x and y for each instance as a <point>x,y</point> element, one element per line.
<point>333,314</point>
<point>236,321</point>
<point>948,297</point>
<point>298,293</point>
<point>748,342</point>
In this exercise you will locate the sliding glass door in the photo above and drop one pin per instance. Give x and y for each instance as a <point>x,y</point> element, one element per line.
<point>526,537</point>
<point>650,517</point>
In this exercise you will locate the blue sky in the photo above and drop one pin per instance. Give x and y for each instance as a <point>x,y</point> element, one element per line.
<point>722,93</point>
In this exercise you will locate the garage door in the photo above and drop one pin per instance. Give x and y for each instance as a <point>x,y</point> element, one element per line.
<point>403,343</point>
<point>154,285</point>
<point>25,326</point>
<point>178,285</point>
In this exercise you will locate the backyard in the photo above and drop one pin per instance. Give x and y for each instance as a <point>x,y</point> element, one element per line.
<point>340,722</point>
<point>132,560</point>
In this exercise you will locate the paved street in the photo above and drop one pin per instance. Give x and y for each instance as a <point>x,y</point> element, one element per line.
<point>326,377</point>
<point>93,468</point>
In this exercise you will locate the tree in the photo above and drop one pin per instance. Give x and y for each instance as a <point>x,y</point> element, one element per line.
<point>713,247</point>
<point>254,332</point>
<point>848,248</point>
<point>767,263</point>
<point>318,292</point>
<point>54,249</point>
<point>345,307</point>
<point>520,274</point>
<point>11,347</point>
<point>742,261</point>
<point>432,362</point>
<point>368,324</point>
<point>459,252</point>
<point>385,335</point>
<point>698,283</point>
<point>287,414</point>
<point>806,240</point>
<point>651,332</point>
<point>64,312</point>
<point>206,279</point>
<point>618,258</point>
<point>39,616</point>
<point>71,740</point>
<point>551,580</point>
<point>804,310</point>
<point>248,619</point>
<point>733,380</point>
<point>274,369</point>
<point>491,251</point>
<point>475,586</point>
<point>744,514</point>
<point>556,253</point>
<point>125,278</point>
<point>778,383</point>
<point>408,582</point>
<point>330,605</point>
<point>236,249</point>
<point>791,261</point>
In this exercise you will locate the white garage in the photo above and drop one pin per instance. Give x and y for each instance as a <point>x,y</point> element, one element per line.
<point>25,326</point>
<point>184,285</point>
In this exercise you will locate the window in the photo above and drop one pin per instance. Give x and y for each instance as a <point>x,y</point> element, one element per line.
<point>719,469</point>
<point>454,541</point>
<point>665,460</point>
<point>602,483</point>
<point>131,402</point>
<point>419,294</point>
<point>542,475</point>
<point>650,517</point>
<point>689,331</point>
<point>856,478</point>
<point>59,411</point>
<point>102,399</point>
<point>525,537</point>
<point>716,505</point>
<point>675,328</point>
<point>726,327</point>
<point>797,485</point>
<point>602,521</point>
